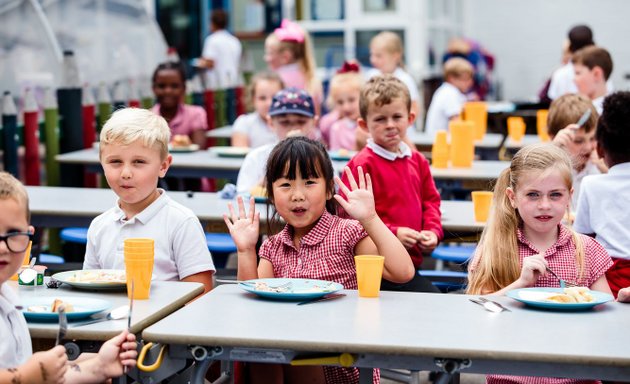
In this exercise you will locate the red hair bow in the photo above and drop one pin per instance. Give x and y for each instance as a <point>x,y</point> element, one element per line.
<point>348,67</point>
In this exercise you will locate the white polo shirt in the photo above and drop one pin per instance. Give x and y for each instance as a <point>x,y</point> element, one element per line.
<point>253,169</point>
<point>15,341</point>
<point>603,209</point>
<point>590,168</point>
<point>225,50</point>
<point>447,102</point>
<point>256,129</point>
<point>180,243</point>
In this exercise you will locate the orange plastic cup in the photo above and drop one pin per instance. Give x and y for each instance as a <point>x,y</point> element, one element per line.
<point>140,272</point>
<point>439,150</point>
<point>139,242</point>
<point>462,143</point>
<point>541,124</point>
<point>477,112</point>
<point>482,200</point>
<point>516,128</point>
<point>369,274</point>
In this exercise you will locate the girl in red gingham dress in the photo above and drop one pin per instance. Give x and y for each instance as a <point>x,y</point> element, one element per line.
<point>314,243</point>
<point>524,236</point>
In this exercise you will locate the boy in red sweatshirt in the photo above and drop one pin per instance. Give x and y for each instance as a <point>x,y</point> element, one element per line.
<point>404,191</point>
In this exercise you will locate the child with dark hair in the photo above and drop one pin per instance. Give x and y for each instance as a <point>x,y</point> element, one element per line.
<point>603,206</point>
<point>314,244</point>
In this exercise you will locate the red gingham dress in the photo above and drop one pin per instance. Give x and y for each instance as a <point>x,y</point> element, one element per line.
<point>326,253</point>
<point>561,260</point>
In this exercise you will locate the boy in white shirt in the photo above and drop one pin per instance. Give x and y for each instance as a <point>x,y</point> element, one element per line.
<point>291,113</point>
<point>603,207</point>
<point>221,53</point>
<point>593,66</point>
<point>134,155</point>
<point>448,100</point>
<point>18,364</point>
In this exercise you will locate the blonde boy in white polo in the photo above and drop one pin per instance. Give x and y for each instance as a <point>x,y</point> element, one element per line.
<point>134,155</point>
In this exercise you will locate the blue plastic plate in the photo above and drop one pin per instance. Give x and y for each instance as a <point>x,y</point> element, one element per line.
<point>83,307</point>
<point>536,297</point>
<point>299,289</point>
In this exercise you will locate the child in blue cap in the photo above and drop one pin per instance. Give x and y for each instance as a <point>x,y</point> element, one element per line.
<point>292,113</point>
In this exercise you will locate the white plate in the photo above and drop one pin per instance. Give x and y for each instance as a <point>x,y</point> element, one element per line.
<point>105,278</point>
<point>83,307</point>
<point>189,148</point>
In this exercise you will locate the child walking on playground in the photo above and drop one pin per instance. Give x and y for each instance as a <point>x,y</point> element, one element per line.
<point>524,239</point>
<point>315,243</point>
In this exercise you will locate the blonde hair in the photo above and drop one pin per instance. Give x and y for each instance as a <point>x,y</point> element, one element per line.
<point>457,67</point>
<point>391,42</point>
<point>130,124</point>
<point>350,79</point>
<point>258,77</point>
<point>497,261</point>
<point>568,109</point>
<point>12,188</point>
<point>302,53</point>
<point>382,90</point>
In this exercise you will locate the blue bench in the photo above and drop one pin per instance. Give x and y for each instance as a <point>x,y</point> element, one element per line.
<point>220,246</point>
<point>453,253</point>
<point>74,235</point>
<point>445,281</point>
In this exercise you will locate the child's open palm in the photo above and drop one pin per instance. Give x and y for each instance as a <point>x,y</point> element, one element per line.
<point>360,198</point>
<point>244,228</point>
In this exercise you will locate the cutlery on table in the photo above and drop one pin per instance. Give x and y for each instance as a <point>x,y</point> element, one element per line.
<point>63,325</point>
<point>323,298</point>
<point>490,306</point>
<point>484,300</point>
<point>115,314</point>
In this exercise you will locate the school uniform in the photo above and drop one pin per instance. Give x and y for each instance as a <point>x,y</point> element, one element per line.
<point>188,119</point>
<point>325,253</point>
<point>590,168</point>
<point>403,76</point>
<point>15,341</point>
<point>225,50</point>
<point>446,103</point>
<point>252,170</point>
<point>180,243</point>
<point>343,135</point>
<point>602,209</point>
<point>256,129</point>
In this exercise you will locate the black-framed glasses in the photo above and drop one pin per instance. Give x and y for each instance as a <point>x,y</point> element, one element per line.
<point>17,241</point>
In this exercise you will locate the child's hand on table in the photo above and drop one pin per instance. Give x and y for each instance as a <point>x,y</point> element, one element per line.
<point>428,241</point>
<point>623,296</point>
<point>243,228</point>
<point>360,199</point>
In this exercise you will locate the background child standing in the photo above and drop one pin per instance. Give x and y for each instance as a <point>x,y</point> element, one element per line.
<point>18,364</point>
<point>288,52</point>
<point>343,96</point>
<point>314,243</point>
<point>448,100</point>
<point>405,193</point>
<point>593,66</point>
<point>603,208</point>
<point>251,130</point>
<point>134,155</point>
<point>386,56</point>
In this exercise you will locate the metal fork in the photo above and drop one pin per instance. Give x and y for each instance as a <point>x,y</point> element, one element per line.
<point>563,283</point>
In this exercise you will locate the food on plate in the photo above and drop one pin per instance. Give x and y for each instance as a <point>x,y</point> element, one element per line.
<point>343,152</point>
<point>37,308</point>
<point>181,141</point>
<point>58,303</point>
<point>264,287</point>
<point>573,295</point>
<point>98,277</point>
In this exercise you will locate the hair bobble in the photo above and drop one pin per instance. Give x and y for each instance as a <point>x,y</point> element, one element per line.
<point>289,31</point>
<point>348,67</point>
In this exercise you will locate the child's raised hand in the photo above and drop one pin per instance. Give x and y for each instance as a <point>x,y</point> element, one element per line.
<point>45,367</point>
<point>428,241</point>
<point>564,137</point>
<point>245,227</point>
<point>533,266</point>
<point>360,199</point>
<point>407,236</point>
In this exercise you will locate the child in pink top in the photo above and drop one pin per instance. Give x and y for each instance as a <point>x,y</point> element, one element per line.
<point>524,238</point>
<point>345,89</point>
<point>315,243</point>
<point>169,87</point>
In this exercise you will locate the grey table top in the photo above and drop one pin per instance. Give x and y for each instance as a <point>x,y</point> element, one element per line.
<point>221,132</point>
<point>65,206</point>
<point>516,145</point>
<point>482,170</point>
<point>403,324</point>
<point>165,298</point>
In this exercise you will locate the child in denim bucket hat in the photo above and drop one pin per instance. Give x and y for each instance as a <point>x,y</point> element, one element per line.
<point>292,113</point>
